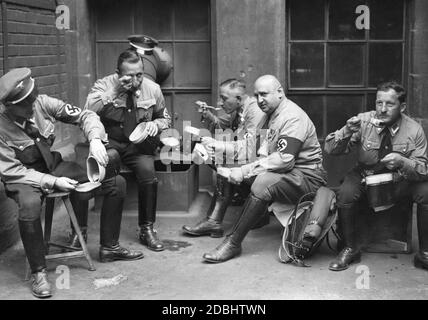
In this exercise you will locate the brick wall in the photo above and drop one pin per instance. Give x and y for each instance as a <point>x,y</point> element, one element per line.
<point>33,41</point>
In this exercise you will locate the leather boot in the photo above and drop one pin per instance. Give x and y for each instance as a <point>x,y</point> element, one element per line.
<point>231,245</point>
<point>74,238</point>
<point>80,207</point>
<point>40,285</point>
<point>110,220</point>
<point>351,252</point>
<point>263,221</point>
<point>147,197</point>
<point>212,224</point>
<point>117,252</point>
<point>32,239</point>
<point>421,258</point>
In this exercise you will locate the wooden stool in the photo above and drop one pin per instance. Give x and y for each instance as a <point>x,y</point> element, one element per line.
<point>72,252</point>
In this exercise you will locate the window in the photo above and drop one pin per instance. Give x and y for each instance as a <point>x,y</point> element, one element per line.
<point>183,30</point>
<point>334,67</point>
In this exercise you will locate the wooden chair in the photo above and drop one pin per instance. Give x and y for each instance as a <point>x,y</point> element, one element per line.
<point>71,253</point>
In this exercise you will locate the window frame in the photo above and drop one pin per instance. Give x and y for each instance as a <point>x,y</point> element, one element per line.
<point>363,90</point>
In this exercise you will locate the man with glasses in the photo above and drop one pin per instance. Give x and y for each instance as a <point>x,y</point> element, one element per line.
<point>245,123</point>
<point>388,141</point>
<point>289,164</point>
<point>124,100</point>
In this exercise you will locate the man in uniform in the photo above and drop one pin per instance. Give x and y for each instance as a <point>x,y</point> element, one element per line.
<point>247,121</point>
<point>29,169</point>
<point>124,100</point>
<point>289,166</point>
<point>387,141</point>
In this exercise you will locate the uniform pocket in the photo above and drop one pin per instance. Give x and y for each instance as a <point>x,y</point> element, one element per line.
<point>404,148</point>
<point>369,145</point>
<point>20,144</point>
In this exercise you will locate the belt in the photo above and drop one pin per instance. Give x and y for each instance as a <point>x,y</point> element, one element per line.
<point>312,166</point>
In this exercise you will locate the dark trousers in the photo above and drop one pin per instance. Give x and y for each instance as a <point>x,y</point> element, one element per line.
<point>29,200</point>
<point>352,191</point>
<point>287,187</point>
<point>142,164</point>
<point>352,195</point>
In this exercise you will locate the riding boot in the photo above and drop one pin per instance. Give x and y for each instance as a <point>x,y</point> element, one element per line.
<point>231,246</point>
<point>212,224</point>
<point>80,207</point>
<point>263,221</point>
<point>111,218</point>
<point>421,258</point>
<point>147,197</point>
<point>351,252</point>
<point>35,250</point>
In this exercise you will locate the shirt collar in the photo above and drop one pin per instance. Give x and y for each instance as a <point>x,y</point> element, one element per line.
<point>392,129</point>
<point>25,122</point>
<point>279,109</point>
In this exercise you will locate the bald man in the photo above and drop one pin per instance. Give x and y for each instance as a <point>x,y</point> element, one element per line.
<point>289,164</point>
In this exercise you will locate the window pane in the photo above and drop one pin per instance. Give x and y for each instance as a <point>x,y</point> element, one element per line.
<point>386,19</point>
<point>340,108</point>
<point>313,106</point>
<point>153,18</point>
<point>192,65</point>
<point>117,12</point>
<point>185,108</point>
<point>302,12</point>
<point>385,62</point>
<point>371,101</point>
<point>342,18</point>
<point>307,65</point>
<point>107,57</point>
<point>346,64</point>
<point>191,19</point>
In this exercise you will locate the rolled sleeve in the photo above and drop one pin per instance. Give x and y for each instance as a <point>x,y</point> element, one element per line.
<point>161,115</point>
<point>338,142</point>
<point>88,120</point>
<point>102,93</point>
<point>415,167</point>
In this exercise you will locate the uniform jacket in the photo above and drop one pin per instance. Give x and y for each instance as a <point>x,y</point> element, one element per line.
<point>407,138</point>
<point>287,121</point>
<point>13,140</point>
<point>249,121</point>
<point>107,100</point>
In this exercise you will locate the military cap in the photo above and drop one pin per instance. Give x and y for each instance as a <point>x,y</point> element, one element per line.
<point>143,44</point>
<point>16,85</point>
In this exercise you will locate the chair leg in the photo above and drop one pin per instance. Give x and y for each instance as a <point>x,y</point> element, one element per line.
<point>73,219</point>
<point>27,271</point>
<point>49,211</point>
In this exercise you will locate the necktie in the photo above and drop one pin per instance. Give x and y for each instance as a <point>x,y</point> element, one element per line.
<point>236,121</point>
<point>130,121</point>
<point>385,145</point>
<point>41,144</point>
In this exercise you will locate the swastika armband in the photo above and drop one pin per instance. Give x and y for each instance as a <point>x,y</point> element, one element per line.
<point>288,145</point>
<point>165,113</point>
<point>72,110</point>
